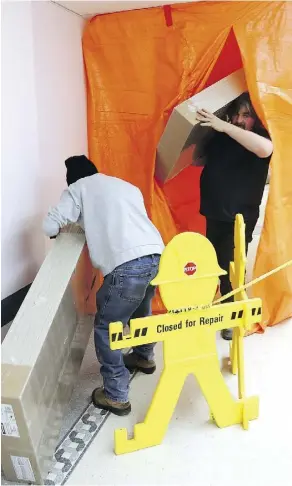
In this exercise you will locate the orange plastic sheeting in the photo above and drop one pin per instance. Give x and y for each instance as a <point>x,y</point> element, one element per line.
<point>265,44</point>
<point>138,69</point>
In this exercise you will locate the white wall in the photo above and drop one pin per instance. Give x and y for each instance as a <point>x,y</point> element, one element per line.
<point>89,8</point>
<point>43,122</point>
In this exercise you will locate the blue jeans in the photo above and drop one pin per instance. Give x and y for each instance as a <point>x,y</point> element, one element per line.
<point>126,294</point>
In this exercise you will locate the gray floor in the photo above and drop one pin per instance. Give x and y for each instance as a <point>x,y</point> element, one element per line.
<point>195,451</point>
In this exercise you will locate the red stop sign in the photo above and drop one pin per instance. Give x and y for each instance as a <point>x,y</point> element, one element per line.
<point>190,268</point>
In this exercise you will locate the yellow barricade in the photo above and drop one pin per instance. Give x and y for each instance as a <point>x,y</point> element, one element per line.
<point>187,280</point>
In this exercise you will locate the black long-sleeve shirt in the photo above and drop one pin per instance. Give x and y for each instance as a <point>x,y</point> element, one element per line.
<point>233,180</point>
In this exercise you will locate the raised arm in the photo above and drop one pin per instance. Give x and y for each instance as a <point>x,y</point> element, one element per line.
<point>261,146</point>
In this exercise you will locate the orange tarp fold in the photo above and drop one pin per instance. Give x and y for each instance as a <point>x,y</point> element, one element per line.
<point>138,69</point>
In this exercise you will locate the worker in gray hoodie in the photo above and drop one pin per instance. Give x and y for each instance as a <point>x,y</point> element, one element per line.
<point>125,245</point>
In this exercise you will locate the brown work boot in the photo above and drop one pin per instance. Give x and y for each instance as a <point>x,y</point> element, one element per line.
<point>133,362</point>
<point>99,400</point>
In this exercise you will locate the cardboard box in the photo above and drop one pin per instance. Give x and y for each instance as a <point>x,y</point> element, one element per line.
<point>41,357</point>
<point>184,140</point>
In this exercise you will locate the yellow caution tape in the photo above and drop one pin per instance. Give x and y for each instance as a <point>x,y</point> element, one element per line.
<point>253,282</point>
<point>239,289</point>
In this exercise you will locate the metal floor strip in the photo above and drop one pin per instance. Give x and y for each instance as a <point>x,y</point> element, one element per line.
<point>75,443</point>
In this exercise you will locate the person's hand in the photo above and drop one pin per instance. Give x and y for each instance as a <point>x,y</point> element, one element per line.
<point>207,119</point>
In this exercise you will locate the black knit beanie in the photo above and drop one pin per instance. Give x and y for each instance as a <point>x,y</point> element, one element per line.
<point>79,166</point>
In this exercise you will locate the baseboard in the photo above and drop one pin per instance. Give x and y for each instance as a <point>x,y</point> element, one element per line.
<point>11,305</point>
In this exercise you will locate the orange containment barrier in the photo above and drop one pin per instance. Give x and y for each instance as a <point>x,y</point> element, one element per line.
<point>141,64</point>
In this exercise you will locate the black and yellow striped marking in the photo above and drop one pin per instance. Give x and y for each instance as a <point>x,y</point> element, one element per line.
<point>237,315</point>
<point>256,311</point>
<point>142,332</point>
<point>114,336</point>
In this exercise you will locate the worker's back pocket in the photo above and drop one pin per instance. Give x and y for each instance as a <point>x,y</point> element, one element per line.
<point>133,278</point>
<point>132,287</point>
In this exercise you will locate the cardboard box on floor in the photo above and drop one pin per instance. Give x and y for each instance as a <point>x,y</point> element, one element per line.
<point>183,140</point>
<point>41,357</point>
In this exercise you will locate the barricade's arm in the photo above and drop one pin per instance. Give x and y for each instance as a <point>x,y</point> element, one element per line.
<point>157,328</point>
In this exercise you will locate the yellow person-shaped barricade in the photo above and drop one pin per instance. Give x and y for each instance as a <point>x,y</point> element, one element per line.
<point>187,281</point>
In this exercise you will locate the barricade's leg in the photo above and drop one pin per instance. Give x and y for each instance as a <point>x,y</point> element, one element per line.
<point>233,353</point>
<point>225,410</point>
<point>240,364</point>
<point>152,430</point>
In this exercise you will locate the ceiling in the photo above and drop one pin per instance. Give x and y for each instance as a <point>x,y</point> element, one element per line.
<point>87,8</point>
